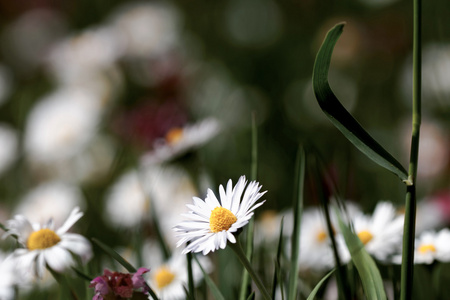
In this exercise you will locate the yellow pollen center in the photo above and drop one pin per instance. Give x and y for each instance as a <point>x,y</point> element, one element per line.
<point>427,248</point>
<point>163,277</point>
<point>365,236</point>
<point>221,219</point>
<point>42,239</point>
<point>321,236</point>
<point>174,135</point>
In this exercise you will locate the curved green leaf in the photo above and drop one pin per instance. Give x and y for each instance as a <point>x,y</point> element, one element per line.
<point>317,287</point>
<point>367,269</point>
<point>340,117</point>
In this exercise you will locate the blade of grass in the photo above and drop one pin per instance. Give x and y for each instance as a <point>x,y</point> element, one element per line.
<point>367,269</point>
<point>319,285</point>
<point>340,117</point>
<point>245,287</point>
<point>343,287</point>
<point>212,286</point>
<point>297,210</point>
<point>277,260</point>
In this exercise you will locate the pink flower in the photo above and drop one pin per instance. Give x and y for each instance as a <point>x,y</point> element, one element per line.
<point>116,285</point>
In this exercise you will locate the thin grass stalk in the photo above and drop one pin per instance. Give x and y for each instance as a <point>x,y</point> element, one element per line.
<point>343,288</point>
<point>251,225</point>
<point>407,270</point>
<point>298,209</point>
<point>246,263</point>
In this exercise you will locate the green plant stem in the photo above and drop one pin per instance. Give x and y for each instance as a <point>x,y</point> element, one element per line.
<point>410,202</point>
<point>251,224</point>
<point>245,262</point>
<point>298,209</point>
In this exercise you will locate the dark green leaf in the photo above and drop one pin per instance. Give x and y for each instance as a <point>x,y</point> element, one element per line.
<point>340,117</point>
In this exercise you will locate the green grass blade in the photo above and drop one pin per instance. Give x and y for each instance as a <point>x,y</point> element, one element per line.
<point>319,285</point>
<point>116,256</point>
<point>246,282</point>
<point>298,208</point>
<point>340,117</point>
<point>367,269</point>
<point>212,286</point>
<point>277,261</point>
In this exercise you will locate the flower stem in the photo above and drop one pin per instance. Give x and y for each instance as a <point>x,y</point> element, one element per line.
<point>243,259</point>
<point>410,202</point>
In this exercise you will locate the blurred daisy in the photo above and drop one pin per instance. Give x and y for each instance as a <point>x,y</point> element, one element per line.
<point>146,29</point>
<point>169,279</point>
<point>50,200</point>
<point>179,140</point>
<point>61,125</point>
<point>315,244</point>
<point>131,212</point>
<point>169,189</point>
<point>212,223</point>
<point>10,277</point>
<point>85,54</point>
<point>432,246</point>
<point>8,151</point>
<point>45,246</point>
<point>380,233</point>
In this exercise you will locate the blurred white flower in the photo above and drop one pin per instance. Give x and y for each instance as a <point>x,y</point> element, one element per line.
<point>61,125</point>
<point>146,29</point>
<point>127,204</point>
<point>84,54</point>
<point>169,278</point>
<point>267,227</point>
<point>10,277</point>
<point>315,244</point>
<point>179,140</point>
<point>50,200</point>
<point>9,146</point>
<point>381,233</point>
<point>430,246</point>
<point>211,224</point>
<point>169,189</point>
<point>435,76</point>
<point>44,246</point>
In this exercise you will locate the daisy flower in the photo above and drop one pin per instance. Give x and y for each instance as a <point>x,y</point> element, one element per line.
<point>169,278</point>
<point>315,244</point>
<point>380,233</point>
<point>43,245</point>
<point>61,125</point>
<point>210,223</point>
<point>179,140</point>
<point>432,246</point>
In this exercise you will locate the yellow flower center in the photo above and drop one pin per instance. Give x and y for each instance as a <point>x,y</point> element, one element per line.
<point>427,248</point>
<point>365,236</point>
<point>42,239</point>
<point>174,135</point>
<point>221,219</point>
<point>321,236</point>
<point>163,277</point>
